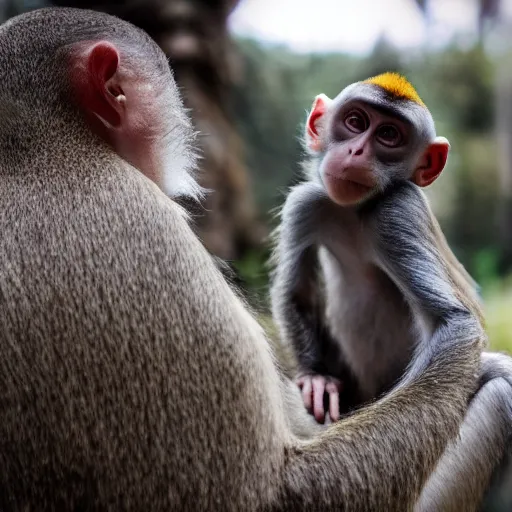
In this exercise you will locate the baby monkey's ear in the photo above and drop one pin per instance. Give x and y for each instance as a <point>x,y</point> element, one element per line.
<point>432,162</point>
<point>315,123</point>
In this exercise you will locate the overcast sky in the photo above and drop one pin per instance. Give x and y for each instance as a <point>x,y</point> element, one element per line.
<point>352,25</point>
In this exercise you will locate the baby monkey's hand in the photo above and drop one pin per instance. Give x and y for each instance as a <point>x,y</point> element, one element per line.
<point>314,389</point>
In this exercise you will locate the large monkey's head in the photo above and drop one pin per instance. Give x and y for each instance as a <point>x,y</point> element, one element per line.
<point>71,72</point>
<point>374,133</point>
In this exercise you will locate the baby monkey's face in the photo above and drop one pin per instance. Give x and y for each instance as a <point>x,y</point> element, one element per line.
<point>364,146</point>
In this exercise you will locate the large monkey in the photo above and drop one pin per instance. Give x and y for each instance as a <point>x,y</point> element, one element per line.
<point>131,376</point>
<point>363,273</point>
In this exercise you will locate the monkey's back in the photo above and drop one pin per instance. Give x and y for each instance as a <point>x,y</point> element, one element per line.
<point>118,374</point>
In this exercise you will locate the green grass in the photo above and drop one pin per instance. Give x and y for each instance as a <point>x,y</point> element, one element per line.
<point>498,315</point>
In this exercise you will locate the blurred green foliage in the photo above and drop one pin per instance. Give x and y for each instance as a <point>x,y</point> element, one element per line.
<point>498,313</point>
<point>457,84</point>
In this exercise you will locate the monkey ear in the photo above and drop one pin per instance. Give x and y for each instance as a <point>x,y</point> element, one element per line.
<point>314,122</point>
<point>432,162</point>
<point>107,98</point>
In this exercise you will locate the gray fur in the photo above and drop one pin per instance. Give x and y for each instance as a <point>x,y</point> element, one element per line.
<point>356,264</point>
<point>131,376</point>
<point>371,295</point>
<point>372,94</point>
<point>462,475</point>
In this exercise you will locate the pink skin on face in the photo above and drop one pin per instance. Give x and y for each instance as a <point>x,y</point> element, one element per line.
<point>348,165</point>
<point>347,170</point>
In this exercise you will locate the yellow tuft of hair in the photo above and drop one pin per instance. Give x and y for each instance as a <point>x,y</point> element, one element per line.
<point>396,85</point>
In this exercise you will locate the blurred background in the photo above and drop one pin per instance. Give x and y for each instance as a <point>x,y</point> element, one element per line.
<point>249,69</point>
<point>458,54</point>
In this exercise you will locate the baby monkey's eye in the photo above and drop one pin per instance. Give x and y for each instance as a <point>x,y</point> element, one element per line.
<point>389,135</point>
<point>356,122</point>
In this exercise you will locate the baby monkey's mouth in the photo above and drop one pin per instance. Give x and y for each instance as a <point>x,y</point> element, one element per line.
<point>355,192</point>
<point>364,178</point>
<point>349,188</point>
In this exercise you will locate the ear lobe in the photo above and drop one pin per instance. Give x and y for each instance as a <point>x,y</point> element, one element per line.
<point>313,124</point>
<point>102,66</point>
<point>432,163</point>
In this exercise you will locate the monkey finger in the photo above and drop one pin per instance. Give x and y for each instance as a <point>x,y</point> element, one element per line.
<point>306,389</point>
<point>318,398</point>
<point>334,404</point>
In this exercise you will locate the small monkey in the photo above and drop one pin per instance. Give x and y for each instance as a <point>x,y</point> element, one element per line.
<point>363,272</point>
<point>132,377</point>
<point>338,294</point>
